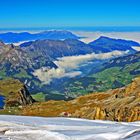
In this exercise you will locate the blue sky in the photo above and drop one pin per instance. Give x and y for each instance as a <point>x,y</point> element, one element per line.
<point>48,13</point>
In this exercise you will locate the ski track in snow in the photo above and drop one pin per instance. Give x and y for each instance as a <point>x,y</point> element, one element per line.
<point>39,128</point>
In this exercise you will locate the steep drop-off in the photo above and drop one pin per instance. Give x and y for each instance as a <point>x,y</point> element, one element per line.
<point>15,93</point>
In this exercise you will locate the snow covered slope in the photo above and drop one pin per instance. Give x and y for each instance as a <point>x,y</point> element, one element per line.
<point>38,128</point>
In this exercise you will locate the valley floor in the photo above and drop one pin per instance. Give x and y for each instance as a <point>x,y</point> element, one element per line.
<point>39,128</point>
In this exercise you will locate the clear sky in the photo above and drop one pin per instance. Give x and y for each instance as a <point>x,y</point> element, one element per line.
<point>47,13</point>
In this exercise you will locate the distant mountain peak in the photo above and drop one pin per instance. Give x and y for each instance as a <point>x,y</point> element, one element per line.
<point>14,56</point>
<point>108,44</point>
<point>11,37</point>
<point>104,37</point>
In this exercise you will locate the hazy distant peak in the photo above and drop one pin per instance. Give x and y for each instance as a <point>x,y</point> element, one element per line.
<point>115,40</point>
<point>11,37</point>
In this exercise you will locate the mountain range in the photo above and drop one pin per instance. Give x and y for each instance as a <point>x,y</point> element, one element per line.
<point>11,37</point>
<point>75,47</point>
<point>20,62</point>
<point>54,49</point>
<point>108,91</point>
<point>106,44</point>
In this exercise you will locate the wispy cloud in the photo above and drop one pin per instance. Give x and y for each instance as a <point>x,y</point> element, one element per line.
<point>136,48</point>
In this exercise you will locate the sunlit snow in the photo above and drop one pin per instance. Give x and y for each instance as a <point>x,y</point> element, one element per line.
<point>38,128</point>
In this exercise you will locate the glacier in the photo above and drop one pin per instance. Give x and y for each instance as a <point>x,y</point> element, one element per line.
<point>59,128</point>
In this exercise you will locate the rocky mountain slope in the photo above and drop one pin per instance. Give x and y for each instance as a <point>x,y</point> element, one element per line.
<point>122,104</point>
<point>19,64</point>
<point>56,48</point>
<point>70,47</point>
<point>14,56</point>
<point>15,93</point>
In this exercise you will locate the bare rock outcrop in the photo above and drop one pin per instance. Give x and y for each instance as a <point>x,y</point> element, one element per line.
<point>15,92</point>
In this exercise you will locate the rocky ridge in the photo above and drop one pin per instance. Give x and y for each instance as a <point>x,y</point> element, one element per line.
<point>122,104</point>
<point>15,93</point>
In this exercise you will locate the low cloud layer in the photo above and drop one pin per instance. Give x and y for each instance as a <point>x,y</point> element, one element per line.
<point>69,66</point>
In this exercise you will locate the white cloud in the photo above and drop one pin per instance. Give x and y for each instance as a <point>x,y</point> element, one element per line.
<point>68,66</point>
<point>21,42</point>
<point>74,61</point>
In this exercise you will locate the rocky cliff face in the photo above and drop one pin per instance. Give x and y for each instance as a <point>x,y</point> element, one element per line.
<point>117,105</point>
<point>14,56</point>
<point>122,104</point>
<point>16,93</point>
